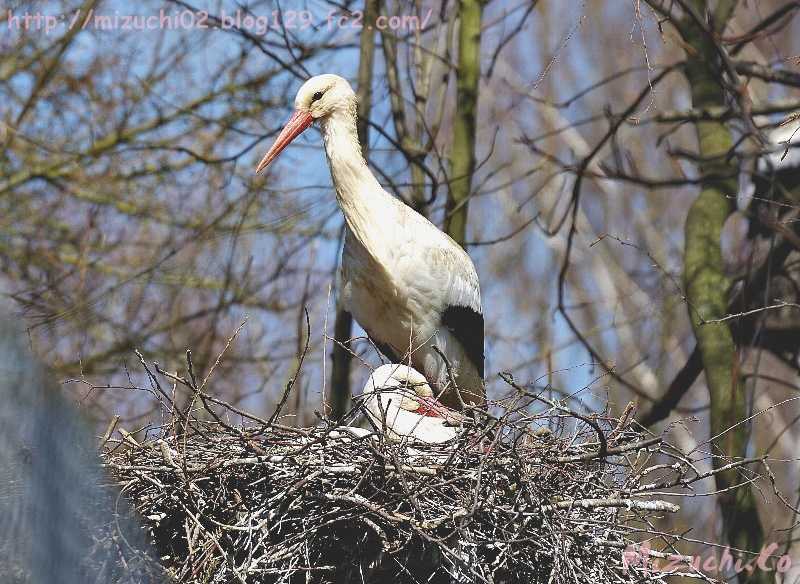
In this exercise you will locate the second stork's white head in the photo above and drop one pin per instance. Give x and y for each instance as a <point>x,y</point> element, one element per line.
<point>317,99</point>
<point>401,404</point>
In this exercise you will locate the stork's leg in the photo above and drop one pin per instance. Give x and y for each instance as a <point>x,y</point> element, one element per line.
<point>385,348</point>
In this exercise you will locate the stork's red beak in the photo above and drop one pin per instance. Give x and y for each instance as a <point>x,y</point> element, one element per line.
<point>430,407</point>
<point>299,121</point>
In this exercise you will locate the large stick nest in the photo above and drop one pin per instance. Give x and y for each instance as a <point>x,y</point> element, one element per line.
<point>552,496</point>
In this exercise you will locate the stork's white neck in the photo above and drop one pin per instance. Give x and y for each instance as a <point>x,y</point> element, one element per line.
<point>359,193</point>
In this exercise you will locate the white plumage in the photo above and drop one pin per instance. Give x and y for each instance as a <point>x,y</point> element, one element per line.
<point>408,284</point>
<point>782,149</point>
<point>400,404</point>
<point>777,164</point>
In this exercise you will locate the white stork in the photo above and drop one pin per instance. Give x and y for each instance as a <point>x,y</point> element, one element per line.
<point>783,149</point>
<point>400,403</point>
<point>408,284</point>
<point>775,171</point>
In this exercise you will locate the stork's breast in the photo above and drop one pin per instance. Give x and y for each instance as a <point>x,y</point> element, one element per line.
<point>389,295</point>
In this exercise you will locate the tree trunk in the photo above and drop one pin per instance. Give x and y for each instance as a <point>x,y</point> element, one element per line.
<point>707,287</point>
<point>462,154</point>
<point>343,328</point>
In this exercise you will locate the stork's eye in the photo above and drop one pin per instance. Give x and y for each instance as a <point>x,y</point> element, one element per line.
<point>316,96</point>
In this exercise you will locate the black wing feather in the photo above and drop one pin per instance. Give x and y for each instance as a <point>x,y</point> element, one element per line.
<point>466,325</point>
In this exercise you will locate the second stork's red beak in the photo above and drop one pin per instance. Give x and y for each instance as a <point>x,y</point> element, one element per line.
<point>430,407</point>
<point>299,121</point>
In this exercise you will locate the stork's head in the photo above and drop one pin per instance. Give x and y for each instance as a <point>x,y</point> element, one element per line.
<point>317,99</point>
<point>323,94</point>
<point>401,386</point>
<point>399,401</point>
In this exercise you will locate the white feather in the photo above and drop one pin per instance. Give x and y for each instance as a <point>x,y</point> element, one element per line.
<point>385,392</point>
<point>779,138</point>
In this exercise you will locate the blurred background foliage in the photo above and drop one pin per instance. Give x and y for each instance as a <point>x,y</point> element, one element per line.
<point>131,217</point>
